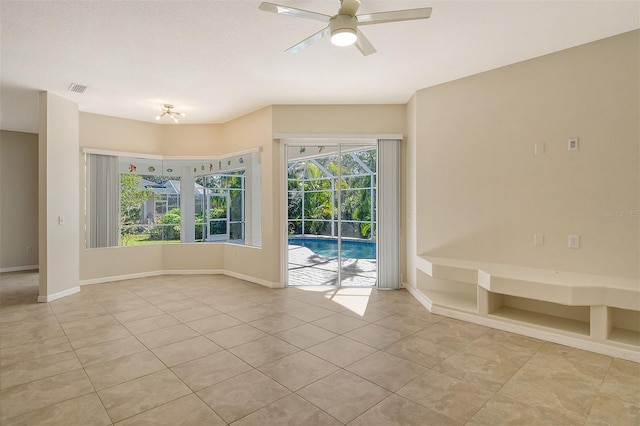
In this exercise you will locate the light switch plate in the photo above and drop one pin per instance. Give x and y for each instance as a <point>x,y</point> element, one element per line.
<point>574,241</point>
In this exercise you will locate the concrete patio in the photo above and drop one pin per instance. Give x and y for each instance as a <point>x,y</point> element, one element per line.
<point>307,268</point>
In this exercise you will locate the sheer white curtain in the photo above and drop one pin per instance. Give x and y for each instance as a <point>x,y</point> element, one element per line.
<point>103,201</point>
<point>388,214</point>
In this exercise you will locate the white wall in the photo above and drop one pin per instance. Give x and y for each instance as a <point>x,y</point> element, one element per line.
<point>18,200</point>
<point>482,193</point>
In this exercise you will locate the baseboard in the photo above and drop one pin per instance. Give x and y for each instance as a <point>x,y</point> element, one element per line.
<point>19,268</point>
<point>58,295</point>
<point>181,272</point>
<point>417,294</point>
<point>548,336</point>
<point>193,272</point>
<point>254,280</point>
<point>112,278</point>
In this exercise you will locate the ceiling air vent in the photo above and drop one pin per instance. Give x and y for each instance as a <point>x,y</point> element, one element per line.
<point>78,88</point>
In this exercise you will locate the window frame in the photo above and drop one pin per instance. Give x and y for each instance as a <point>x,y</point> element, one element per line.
<point>251,157</point>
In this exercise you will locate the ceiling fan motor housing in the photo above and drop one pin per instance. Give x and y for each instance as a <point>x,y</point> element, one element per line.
<point>343,30</point>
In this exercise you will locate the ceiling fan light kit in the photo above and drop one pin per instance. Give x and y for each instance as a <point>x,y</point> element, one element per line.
<point>343,27</point>
<point>343,30</point>
<point>167,109</point>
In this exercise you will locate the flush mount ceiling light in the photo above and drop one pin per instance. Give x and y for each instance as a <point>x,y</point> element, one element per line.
<point>167,109</point>
<point>343,27</point>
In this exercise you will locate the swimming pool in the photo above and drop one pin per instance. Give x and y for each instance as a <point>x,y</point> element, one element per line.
<point>329,247</point>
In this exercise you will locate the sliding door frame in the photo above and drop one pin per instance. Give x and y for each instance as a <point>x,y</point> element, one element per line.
<point>285,140</point>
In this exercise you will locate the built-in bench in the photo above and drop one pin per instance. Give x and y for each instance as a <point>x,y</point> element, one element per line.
<point>591,312</point>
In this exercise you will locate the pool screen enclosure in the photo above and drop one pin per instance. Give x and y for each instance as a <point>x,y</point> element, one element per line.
<point>332,214</point>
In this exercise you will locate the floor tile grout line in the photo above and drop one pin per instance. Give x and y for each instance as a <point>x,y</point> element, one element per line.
<point>495,394</point>
<point>257,368</point>
<point>305,399</point>
<point>423,406</point>
<point>432,368</point>
<point>230,378</point>
<point>604,377</point>
<point>90,381</point>
<point>81,368</point>
<point>152,408</point>
<point>521,366</point>
<point>258,409</point>
<point>47,406</point>
<point>210,407</point>
<point>49,376</point>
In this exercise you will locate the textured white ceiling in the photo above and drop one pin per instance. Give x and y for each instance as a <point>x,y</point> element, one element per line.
<point>217,60</point>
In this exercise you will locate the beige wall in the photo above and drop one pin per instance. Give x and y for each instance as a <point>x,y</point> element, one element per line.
<point>116,134</point>
<point>348,120</point>
<point>409,184</point>
<point>192,139</point>
<point>96,264</point>
<point>473,188</point>
<point>111,133</point>
<point>119,134</point>
<point>481,192</point>
<point>18,199</point>
<point>252,130</point>
<point>257,129</point>
<point>191,257</point>
<point>58,216</point>
<point>338,119</point>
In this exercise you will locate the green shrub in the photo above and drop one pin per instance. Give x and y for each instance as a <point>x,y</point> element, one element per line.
<point>167,232</point>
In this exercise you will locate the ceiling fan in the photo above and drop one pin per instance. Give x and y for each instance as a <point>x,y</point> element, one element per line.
<point>343,27</point>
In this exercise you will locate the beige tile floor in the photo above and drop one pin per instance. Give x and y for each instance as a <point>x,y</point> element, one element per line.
<point>214,350</point>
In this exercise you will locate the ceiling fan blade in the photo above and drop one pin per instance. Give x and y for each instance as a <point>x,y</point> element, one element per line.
<point>309,40</point>
<point>393,16</point>
<point>292,11</point>
<point>364,45</point>
<point>349,7</point>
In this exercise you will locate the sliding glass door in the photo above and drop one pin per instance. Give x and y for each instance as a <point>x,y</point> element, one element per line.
<point>357,219</point>
<point>331,215</point>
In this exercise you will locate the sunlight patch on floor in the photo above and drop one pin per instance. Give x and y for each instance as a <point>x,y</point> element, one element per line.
<point>354,299</point>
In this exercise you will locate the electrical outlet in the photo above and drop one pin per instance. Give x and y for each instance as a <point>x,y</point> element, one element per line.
<point>572,144</point>
<point>574,241</point>
<point>28,249</point>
